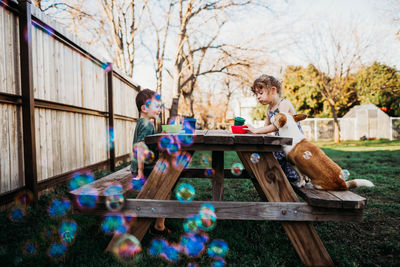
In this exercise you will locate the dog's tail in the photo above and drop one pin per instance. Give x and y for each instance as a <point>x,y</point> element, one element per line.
<point>359,183</point>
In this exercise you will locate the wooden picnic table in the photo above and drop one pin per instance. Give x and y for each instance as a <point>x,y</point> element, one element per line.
<point>267,176</point>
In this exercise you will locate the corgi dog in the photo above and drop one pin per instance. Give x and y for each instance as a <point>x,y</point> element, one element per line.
<point>324,173</point>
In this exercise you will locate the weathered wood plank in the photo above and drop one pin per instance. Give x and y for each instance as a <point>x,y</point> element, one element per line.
<point>319,198</point>
<point>276,188</point>
<point>218,179</point>
<point>13,141</point>
<point>219,137</point>
<point>4,150</point>
<point>250,139</point>
<point>229,210</point>
<point>349,199</point>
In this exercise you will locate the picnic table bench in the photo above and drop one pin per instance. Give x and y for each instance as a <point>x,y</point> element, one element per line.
<point>267,177</point>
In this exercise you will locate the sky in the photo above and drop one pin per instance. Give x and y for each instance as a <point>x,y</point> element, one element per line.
<point>296,20</point>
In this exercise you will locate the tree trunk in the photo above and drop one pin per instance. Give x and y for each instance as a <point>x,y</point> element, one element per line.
<point>336,133</point>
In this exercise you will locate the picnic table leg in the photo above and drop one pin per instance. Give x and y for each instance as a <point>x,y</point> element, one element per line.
<point>277,188</point>
<point>218,179</point>
<point>158,186</point>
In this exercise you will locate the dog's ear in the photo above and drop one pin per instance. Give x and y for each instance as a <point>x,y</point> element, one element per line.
<point>299,117</point>
<point>280,120</point>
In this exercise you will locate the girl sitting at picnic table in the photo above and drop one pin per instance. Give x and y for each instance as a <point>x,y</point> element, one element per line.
<point>268,91</point>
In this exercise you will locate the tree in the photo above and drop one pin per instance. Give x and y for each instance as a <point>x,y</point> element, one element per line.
<point>379,84</point>
<point>112,27</point>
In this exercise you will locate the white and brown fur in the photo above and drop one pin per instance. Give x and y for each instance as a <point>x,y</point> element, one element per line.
<point>310,160</point>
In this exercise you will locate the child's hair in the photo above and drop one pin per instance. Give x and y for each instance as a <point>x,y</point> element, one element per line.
<point>268,82</point>
<point>142,97</point>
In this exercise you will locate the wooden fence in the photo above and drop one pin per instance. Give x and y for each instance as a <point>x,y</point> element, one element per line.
<point>62,108</point>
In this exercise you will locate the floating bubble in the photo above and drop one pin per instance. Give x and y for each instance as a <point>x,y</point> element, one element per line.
<point>67,232</point>
<point>157,97</point>
<point>29,248</point>
<point>141,150</point>
<point>149,157</point>
<point>80,179</point>
<point>171,253</point>
<point>346,174</point>
<point>110,137</point>
<point>181,160</point>
<point>113,189</point>
<point>127,248</point>
<point>17,214</point>
<point>209,172</point>
<point>185,193</point>
<point>57,250</point>
<point>192,264</point>
<point>157,247</point>
<point>255,158</point>
<point>205,159</point>
<point>138,183</point>
<point>59,207</point>
<point>87,199</point>
<point>217,249</point>
<point>173,148</point>
<point>115,202</point>
<point>165,141</point>
<point>237,169</point>
<point>50,233</point>
<point>130,216</point>
<point>114,223</point>
<point>161,166</point>
<point>190,225</point>
<point>193,244</point>
<point>24,198</point>
<point>219,263</point>
<point>185,139</point>
<point>307,155</point>
<point>207,216</point>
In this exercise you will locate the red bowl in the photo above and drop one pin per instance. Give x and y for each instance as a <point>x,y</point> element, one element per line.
<point>239,129</point>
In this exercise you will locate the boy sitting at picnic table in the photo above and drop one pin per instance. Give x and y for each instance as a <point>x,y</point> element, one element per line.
<point>149,106</point>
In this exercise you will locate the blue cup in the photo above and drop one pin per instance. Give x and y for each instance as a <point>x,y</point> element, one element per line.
<point>189,124</point>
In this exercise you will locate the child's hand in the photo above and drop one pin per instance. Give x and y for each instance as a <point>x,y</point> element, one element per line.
<point>250,128</point>
<point>140,174</point>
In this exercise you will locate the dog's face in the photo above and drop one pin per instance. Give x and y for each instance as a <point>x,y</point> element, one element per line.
<point>282,120</point>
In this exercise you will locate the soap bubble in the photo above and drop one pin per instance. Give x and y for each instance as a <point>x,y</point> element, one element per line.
<point>182,160</point>
<point>88,197</point>
<point>80,179</point>
<point>346,174</point>
<point>185,193</point>
<point>307,155</point>
<point>218,263</point>
<point>205,159</point>
<point>67,232</point>
<point>114,223</point>
<point>57,250</point>
<point>30,248</point>
<point>193,245</point>
<point>59,207</point>
<point>157,247</point>
<point>17,214</point>
<point>255,158</point>
<point>115,202</point>
<point>162,166</point>
<point>217,249</point>
<point>207,216</point>
<point>237,169</point>
<point>127,248</point>
<point>209,172</point>
<point>190,225</point>
<point>138,183</point>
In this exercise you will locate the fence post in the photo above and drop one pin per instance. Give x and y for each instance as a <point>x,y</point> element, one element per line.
<point>391,128</point>
<point>111,132</point>
<point>28,107</point>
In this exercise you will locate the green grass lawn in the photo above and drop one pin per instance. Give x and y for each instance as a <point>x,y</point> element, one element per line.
<point>373,242</point>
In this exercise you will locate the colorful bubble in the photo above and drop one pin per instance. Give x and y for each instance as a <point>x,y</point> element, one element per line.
<point>114,223</point>
<point>157,247</point>
<point>57,250</point>
<point>208,219</point>
<point>165,141</point>
<point>59,207</point>
<point>111,137</point>
<point>192,264</point>
<point>190,225</point>
<point>149,157</point>
<point>307,155</point>
<point>17,214</point>
<point>157,97</point>
<point>205,159</point>
<point>193,244</point>
<point>185,139</point>
<point>185,193</point>
<point>113,189</point>
<point>181,160</point>
<point>173,148</point>
<point>162,166</point>
<point>219,263</point>
<point>217,249</point>
<point>29,248</point>
<point>130,216</point>
<point>67,232</point>
<point>138,183</point>
<point>49,232</point>
<point>115,202</point>
<point>237,169</point>
<point>171,253</point>
<point>87,199</point>
<point>24,198</point>
<point>346,174</point>
<point>127,248</point>
<point>255,158</point>
<point>141,150</point>
<point>80,179</point>
<point>209,172</point>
